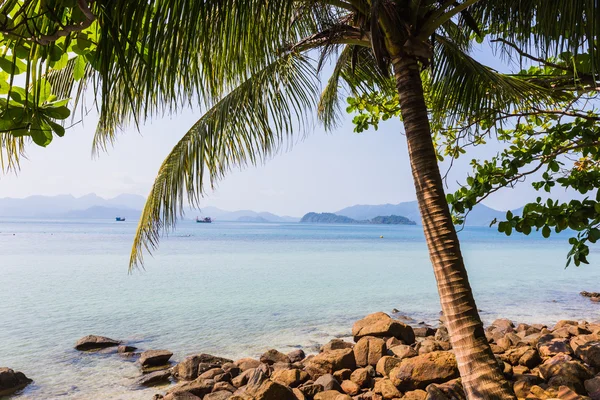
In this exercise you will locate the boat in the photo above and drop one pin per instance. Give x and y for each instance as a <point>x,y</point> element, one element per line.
<point>206,220</point>
<point>120,219</point>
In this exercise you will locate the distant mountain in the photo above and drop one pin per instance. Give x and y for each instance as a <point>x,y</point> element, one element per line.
<point>248,218</point>
<point>223,215</point>
<point>99,212</point>
<point>329,218</point>
<point>481,215</point>
<point>65,205</point>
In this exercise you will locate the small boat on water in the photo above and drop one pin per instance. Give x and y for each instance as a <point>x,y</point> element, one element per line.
<point>206,220</point>
<point>120,219</point>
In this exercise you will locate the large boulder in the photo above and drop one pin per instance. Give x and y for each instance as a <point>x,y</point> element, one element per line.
<point>192,366</point>
<point>11,381</point>
<point>330,361</point>
<point>219,395</point>
<point>93,342</point>
<point>290,377</point>
<point>420,371</point>
<point>296,355</point>
<point>154,378</point>
<point>153,358</point>
<point>369,350</point>
<point>590,353</point>
<point>593,387</point>
<point>269,390</point>
<point>336,344</point>
<point>386,364</point>
<point>198,387</point>
<point>382,325</point>
<point>274,356</point>
<point>549,346</point>
<point>247,363</point>
<point>386,389</point>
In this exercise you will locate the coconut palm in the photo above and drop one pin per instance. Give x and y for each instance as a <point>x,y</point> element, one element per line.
<point>257,66</point>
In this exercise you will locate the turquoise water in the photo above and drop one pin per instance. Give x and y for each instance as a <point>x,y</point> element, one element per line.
<point>237,289</point>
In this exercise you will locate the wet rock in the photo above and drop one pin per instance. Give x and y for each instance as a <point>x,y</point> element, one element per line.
<point>296,355</point>
<point>122,349</point>
<point>12,381</point>
<point>273,356</point>
<point>192,366</point>
<point>382,325</point>
<point>369,350</point>
<point>329,362</point>
<point>93,342</point>
<point>154,378</point>
<point>420,371</point>
<point>154,358</point>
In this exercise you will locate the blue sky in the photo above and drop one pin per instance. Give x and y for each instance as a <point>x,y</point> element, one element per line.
<point>323,172</point>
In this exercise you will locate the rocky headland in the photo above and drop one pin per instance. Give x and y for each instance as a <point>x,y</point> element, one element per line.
<point>386,360</point>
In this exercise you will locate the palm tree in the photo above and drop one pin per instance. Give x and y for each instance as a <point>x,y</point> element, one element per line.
<point>257,65</point>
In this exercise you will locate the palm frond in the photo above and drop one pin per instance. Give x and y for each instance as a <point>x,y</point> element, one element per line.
<point>246,126</point>
<point>12,149</point>
<point>462,87</point>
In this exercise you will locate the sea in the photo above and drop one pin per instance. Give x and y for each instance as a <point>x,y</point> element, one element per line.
<point>238,289</point>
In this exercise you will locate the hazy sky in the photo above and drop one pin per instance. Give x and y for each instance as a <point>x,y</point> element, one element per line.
<point>324,172</point>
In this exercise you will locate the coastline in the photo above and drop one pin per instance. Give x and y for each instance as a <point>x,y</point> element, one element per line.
<point>370,363</point>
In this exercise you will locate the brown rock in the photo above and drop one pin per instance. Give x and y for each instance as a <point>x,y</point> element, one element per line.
<point>311,390</point>
<point>415,395</point>
<point>386,364</point>
<point>592,386</point>
<point>441,335</point>
<point>211,373</point>
<point>590,353</point>
<point>382,325</point>
<point>424,331</point>
<point>328,382</point>
<point>154,378</point>
<point>350,388</point>
<point>198,387</point>
<point>269,390</point>
<point>273,356</point>
<point>153,358</point>
<point>392,342</point>
<point>122,349</point>
<point>181,396</point>
<point>549,346</point>
<point>369,350</point>
<point>565,393</point>
<point>452,390</point>
<point>220,395</point>
<point>386,389</point>
<point>330,361</point>
<point>523,384</point>
<point>290,377</point>
<point>11,381</point>
<point>513,356</point>
<point>192,366</point>
<point>93,342</point>
<point>403,351</point>
<point>242,378</point>
<point>336,344</point>
<point>299,395</point>
<point>530,358</point>
<point>361,377</point>
<point>427,346</point>
<point>420,371</point>
<point>224,386</point>
<point>503,325</point>
<point>327,395</point>
<point>247,363</point>
<point>565,323</point>
<point>342,374</point>
<point>296,355</point>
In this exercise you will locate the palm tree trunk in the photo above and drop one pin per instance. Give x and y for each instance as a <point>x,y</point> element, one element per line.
<point>479,370</point>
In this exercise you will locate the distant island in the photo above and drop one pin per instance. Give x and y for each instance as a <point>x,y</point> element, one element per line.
<point>330,218</point>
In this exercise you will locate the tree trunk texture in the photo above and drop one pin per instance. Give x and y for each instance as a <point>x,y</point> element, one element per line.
<point>479,370</point>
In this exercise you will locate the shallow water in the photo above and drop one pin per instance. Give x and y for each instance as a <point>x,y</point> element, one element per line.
<point>237,289</point>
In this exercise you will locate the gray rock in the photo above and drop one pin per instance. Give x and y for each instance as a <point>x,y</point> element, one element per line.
<point>153,358</point>
<point>154,378</point>
<point>93,342</point>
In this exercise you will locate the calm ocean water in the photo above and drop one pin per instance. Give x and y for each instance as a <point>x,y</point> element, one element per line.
<point>237,289</point>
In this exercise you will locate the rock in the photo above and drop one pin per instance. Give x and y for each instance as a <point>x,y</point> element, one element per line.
<point>523,384</point>
<point>299,395</point>
<point>328,382</point>
<point>503,325</point>
<point>311,390</point>
<point>211,373</point>
<point>122,349</point>
<point>198,387</point>
<point>565,393</point>
<point>269,390</point>
<point>224,386</point>
<point>93,342</point>
<point>564,323</point>
<point>242,378</point>
<point>391,342</point>
<point>403,351</point>
<point>530,359</point>
<point>330,361</point>
<point>220,395</point>
<point>369,350</point>
<point>192,366</point>
<point>153,358</point>
<point>549,346</point>
<point>562,370</point>
<point>361,377</point>
<point>350,388</point>
<point>342,374</point>
<point>382,325</point>
<point>386,389</point>
<point>590,353</point>
<point>427,346</point>
<point>442,335</point>
<point>386,364</point>
<point>415,395</point>
<point>11,381</point>
<point>452,390</point>
<point>513,356</point>
<point>273,356</point>
<point>420,371</point>
<point>154,378</point>
<point>181,396</point>
<point>296,355</point>
<point>290,377</point>
<point>424,331</point>
<point>336,344</point>
<point>327,395</point>
<point>247,363</point>
<point>592,386</point>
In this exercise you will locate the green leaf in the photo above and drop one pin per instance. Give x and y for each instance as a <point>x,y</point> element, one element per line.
<point>13,66</point>
<point>57,128</point>
<point>79,68</point>
<point>57,112</point>
<point>546,231</point>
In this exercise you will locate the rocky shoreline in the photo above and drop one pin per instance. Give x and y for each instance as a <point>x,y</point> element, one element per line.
<point>387,360</point>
